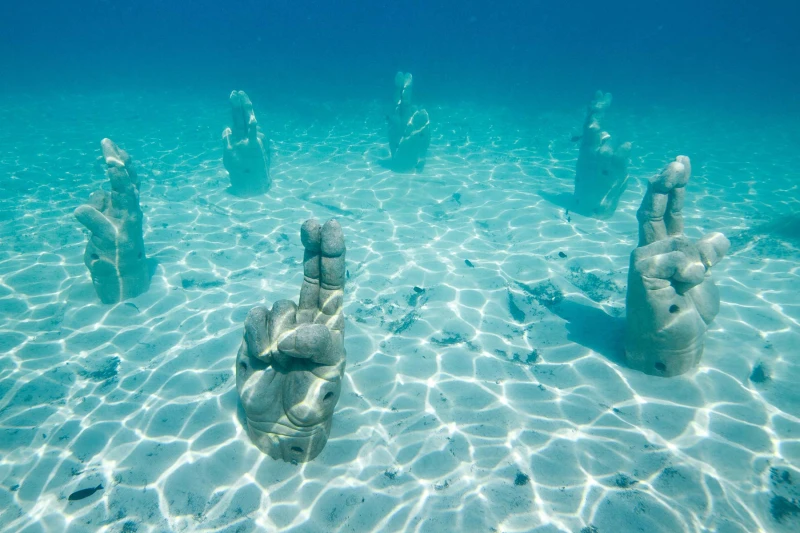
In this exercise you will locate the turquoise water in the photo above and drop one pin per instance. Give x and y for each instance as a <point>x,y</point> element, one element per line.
<point>486,387</point>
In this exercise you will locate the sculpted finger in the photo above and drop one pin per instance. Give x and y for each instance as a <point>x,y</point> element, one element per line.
<point>712,248</point>
<point>661,247</point>
<point>256,333</point>
<point>119,167</point>
<point>403,83</point>
<point>282,321</point>
<point>651,217</point>
<point>307,341</point>
<point>674,266</point>
<point>227,133</point>
<point>96,222</point>
<point>335,355</point>
<point>687,167</point>
<point>332,274</point>
<point>242,114</point>
<point>113,154</point>
<point>676,174</point>
<point>100,200</point>
<point>249,117</point>
<point>332,251</point>
<point>659,214</point>
<point>673,218</point>
<point>252,128</point>
<point>311,236</point>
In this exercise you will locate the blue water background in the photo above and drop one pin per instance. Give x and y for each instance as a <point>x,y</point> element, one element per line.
<point>703,52</point>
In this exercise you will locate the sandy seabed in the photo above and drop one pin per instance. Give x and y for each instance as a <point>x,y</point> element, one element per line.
<point>485,389</point>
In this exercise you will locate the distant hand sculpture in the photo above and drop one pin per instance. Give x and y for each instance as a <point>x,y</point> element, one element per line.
<point>409,129</point>
<point>601,175</point>
<point>246,156</point>
<point>671,297</point>
<point>291,362</point>
<point>115,253</point>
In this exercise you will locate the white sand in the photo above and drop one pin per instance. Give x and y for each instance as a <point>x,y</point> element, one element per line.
<point>470,406</point>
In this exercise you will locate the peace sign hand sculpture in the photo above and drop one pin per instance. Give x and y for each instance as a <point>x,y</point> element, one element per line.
<point>115,254</point>
<point>671,297</point>
<point>409,129</point>
<point>291,362</point>
<point>245,154</point>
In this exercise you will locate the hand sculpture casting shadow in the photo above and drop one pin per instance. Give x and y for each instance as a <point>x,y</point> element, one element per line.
<point>671,297</point>
<point>409,129</point>
<point>593,328</point>
<point>115,253</point>
<point>601,175</point>
<point>291,362</point>
<point>246,156</point>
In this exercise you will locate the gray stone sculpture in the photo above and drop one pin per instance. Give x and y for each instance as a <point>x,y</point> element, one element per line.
<point>601,175</point>
<point>409,129</point>
<point>115,253</point>
<point>291,362</point>
<point>671,297</point>
<point>246,152</point>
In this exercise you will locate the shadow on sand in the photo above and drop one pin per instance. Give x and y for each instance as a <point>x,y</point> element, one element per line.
<point>562,200</point>
<point>593,328</point>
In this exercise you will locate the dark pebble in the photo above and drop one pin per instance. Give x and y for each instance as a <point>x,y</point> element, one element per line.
<point>760,374</point>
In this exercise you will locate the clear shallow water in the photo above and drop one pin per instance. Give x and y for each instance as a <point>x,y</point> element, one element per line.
<point>485,387</point>
<point>474,405</point>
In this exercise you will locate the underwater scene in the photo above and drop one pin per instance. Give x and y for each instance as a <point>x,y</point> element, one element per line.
<point>409,266</point>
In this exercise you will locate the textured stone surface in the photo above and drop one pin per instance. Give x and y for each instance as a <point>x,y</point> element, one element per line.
<point>115,254</point>
<point>246,150</point>
<point>292,358</point>
<point>601,175</point>
<point>671,296</point>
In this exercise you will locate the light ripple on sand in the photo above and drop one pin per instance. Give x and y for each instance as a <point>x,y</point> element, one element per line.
<point>460,410</point>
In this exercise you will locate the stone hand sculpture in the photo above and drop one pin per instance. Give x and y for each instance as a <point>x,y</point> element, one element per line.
<point>409,129</point>
<point>601,175</point>
<point>671,297</point>
<point>291,362</point>
<point>246,156</point>
<point>115,253</point>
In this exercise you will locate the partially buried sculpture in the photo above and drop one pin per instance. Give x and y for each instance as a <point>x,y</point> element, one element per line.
<point>115,253</point>
<point>671,297</point>
<point>291,362</point>
<point>409,129</point>
<point>246,152</point>
<point>601,175</point>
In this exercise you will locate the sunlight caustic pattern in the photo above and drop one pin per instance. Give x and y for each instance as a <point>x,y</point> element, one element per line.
<point>486,388</point>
